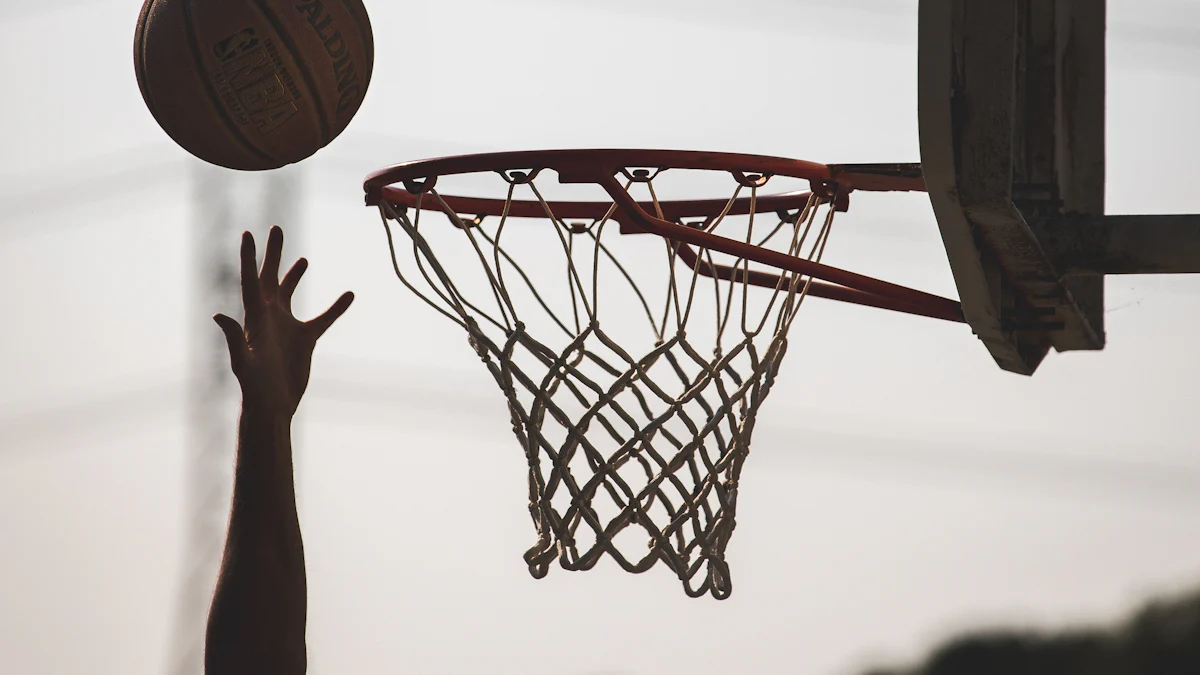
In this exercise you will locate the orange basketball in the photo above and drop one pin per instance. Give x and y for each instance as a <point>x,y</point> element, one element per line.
<point>253,84</point>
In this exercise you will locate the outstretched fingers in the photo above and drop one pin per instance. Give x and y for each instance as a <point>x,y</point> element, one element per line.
<point>261,288</point>
<point>252,299</point>
<point>287,287</point>
<point>269,279</point>
<point>235,339</point>
<point>319,325</point>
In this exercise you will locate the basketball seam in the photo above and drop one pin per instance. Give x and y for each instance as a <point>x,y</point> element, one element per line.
<point>325,129</point>
<point>368,37</point>
<point>194,48</point>
<point>139,57</point>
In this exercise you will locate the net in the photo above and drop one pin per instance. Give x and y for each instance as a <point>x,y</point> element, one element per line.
<point>634,367</point>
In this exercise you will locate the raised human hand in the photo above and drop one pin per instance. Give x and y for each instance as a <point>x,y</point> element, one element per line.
<point>272,355</point>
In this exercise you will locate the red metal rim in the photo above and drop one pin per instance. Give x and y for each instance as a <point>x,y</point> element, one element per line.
<point>677,210</point>
<point>591,166</point>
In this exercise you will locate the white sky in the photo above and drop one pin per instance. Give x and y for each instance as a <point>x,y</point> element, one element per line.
<point>921,491</point>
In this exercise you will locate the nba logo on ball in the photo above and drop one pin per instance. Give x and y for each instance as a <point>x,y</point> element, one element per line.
<point>253,84</point>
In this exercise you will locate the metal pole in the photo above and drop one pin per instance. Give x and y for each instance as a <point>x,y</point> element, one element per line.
<point>224,203</point>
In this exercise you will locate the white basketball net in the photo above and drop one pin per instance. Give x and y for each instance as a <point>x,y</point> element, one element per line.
<point>635,405</point>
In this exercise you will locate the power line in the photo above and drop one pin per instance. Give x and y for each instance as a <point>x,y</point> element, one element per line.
<point>89,415</point>
<point>809,447</point>
<point>144,171</point>
<point>88,181</point>
<point>813,448</point>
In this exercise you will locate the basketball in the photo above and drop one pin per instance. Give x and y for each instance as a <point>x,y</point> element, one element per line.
<point>253,84</point>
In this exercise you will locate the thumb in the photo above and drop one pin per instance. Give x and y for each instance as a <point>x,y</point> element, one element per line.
<point>235,338</point>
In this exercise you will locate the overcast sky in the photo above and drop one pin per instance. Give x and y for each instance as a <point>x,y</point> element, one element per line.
<point>921,491</point>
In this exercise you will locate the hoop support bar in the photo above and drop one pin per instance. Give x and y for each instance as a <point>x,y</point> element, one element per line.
<point>915,302</point>
<point>946,312</point>
<point>675,232</point>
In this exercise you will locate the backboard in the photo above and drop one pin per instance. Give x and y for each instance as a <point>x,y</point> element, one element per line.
<point>1012,123</point>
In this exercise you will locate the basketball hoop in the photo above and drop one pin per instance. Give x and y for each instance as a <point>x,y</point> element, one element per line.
<point>633,386</point>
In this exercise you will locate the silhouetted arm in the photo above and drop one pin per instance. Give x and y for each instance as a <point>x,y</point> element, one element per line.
<point>257,621</point>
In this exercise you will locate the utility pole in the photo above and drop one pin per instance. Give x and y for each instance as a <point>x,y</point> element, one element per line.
<point>224,203</point>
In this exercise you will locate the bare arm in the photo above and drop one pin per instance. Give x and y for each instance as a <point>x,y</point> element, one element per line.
<point>257,620</point>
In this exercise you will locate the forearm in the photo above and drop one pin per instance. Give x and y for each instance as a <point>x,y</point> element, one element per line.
<point>257,621</point>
